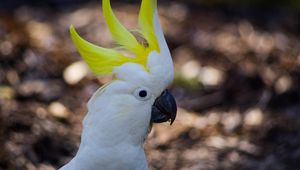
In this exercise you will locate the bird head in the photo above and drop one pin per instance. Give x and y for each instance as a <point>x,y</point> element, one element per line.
<point>138,92</point>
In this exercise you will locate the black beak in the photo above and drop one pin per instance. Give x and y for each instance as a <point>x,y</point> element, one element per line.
<point>164,108</point>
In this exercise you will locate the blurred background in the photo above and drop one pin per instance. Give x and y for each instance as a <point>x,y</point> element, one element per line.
<point>237,82</point>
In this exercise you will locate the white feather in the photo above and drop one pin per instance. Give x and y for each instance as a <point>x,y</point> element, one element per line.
<point>114,130</point>
<point>117,122</point>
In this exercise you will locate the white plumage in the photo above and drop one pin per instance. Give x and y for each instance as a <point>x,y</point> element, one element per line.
<point>118,117</point>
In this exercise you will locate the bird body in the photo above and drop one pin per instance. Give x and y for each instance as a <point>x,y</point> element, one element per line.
<point>121,112</point>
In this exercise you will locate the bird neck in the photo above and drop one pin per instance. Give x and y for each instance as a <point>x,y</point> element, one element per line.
<point>113,131</point>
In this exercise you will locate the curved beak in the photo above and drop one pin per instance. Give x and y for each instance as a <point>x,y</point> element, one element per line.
<point>164,108</point>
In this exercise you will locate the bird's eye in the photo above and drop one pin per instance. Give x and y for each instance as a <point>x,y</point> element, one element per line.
<point>142,93</point>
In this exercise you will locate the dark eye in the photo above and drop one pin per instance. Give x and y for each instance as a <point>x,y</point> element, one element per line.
<point>142,93</point>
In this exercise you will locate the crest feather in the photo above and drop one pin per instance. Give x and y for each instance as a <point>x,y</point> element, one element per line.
<point>146,22</point>
<point>100,60</point>
<point>103,60</point>
<point>119,33</point>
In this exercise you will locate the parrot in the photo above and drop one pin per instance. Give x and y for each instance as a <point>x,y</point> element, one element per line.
<point>121,112</point>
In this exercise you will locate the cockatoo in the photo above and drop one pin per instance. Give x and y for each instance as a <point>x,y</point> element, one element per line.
<point>121,112</point>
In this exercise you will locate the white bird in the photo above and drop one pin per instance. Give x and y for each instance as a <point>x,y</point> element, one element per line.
<point>121,112</point>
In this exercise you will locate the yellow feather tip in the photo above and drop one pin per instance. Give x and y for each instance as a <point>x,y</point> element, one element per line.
<point>100,60</point>
<point>103,60</point>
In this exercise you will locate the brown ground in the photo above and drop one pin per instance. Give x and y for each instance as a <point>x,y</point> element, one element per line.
<point>237,86</point>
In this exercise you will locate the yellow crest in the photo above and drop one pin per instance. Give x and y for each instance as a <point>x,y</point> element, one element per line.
<point>103,60</point>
